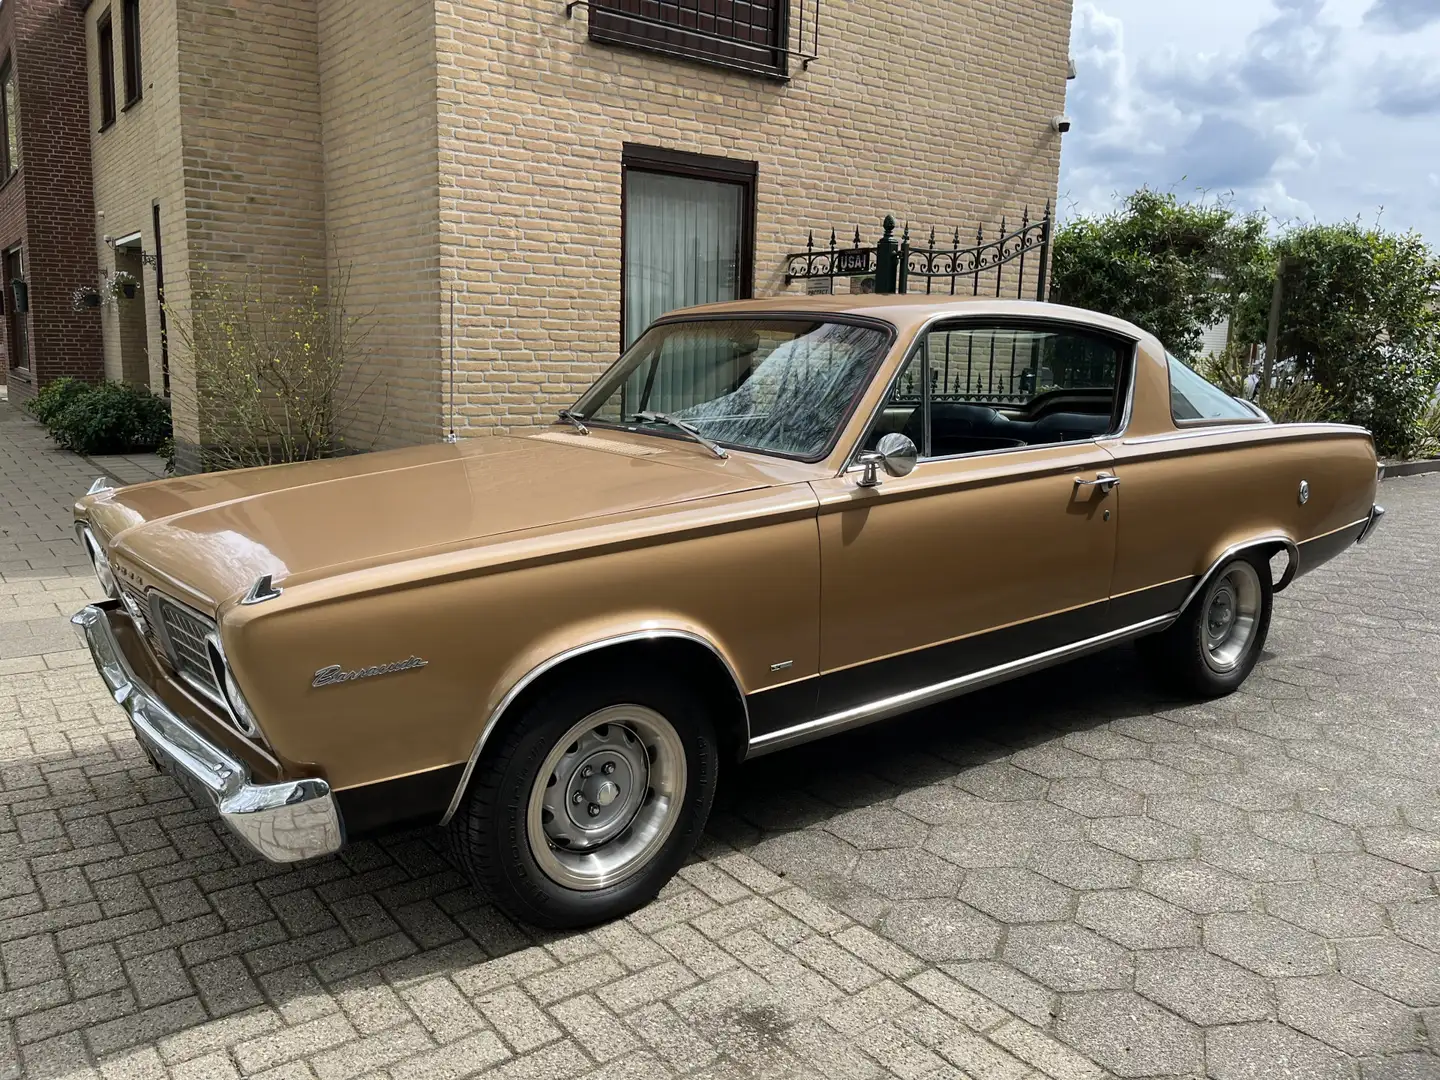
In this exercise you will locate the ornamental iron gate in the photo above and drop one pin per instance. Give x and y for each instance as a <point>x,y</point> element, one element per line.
<point>898,266</point>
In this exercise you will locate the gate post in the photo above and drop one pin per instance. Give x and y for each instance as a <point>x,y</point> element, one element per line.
<point>887,258</point>
<point>902,268</point>
<point>1041,292</point>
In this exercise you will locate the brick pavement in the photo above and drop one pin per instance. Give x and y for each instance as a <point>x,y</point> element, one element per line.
<point>1065,877</point>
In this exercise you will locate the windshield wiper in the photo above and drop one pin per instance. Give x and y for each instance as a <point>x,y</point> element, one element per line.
<point>680,425</point>
<point>575,418</point>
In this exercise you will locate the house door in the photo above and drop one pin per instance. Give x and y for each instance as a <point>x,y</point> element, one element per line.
<point>687,233</point>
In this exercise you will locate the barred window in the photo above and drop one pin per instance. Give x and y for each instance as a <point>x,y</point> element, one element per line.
<point>747,34</point>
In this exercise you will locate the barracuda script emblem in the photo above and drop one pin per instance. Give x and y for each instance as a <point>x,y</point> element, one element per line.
<point>335,674</point>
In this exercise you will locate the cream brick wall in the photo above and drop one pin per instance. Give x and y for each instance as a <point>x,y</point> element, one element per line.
<point>382,206</point>
<point>937,112</point>
<point>471,149</point>
<point>136,163</point>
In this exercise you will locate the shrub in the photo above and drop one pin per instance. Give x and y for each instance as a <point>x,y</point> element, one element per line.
<point>1171,267</point>
<point>112,418</point>
<point>280,374</point>
<point>54,397</point>
<point>1292,400</point>
<point>1359,318</point>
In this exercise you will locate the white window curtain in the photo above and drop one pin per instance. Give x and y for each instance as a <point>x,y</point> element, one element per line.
<point>682,247</point>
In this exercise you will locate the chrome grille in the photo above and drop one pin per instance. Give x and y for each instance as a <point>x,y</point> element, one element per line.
<point>185,633</point>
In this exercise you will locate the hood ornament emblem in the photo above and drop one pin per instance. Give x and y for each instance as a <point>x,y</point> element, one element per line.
<point>334,675</point>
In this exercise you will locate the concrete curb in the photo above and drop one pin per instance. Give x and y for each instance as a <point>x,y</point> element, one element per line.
<point>1410,468</point>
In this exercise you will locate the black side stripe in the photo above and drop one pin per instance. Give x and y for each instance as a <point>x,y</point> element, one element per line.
<point>838,691</point>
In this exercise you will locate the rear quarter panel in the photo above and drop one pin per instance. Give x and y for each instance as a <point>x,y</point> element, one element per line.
<point>740,570</point>
<point>1187,496</point>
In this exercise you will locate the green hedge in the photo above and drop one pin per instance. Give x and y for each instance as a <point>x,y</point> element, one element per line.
<point>109,418</point>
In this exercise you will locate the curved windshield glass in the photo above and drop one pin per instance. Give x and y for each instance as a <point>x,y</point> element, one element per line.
<point>781,386</point>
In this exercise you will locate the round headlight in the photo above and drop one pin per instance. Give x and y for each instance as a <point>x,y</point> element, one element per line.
<point>239,706</point>
<point>234,699</point>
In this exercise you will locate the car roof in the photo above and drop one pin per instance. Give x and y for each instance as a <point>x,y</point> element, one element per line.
<point>909,311</point>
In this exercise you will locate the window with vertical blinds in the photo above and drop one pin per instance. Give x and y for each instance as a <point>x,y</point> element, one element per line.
<point>688,229</point>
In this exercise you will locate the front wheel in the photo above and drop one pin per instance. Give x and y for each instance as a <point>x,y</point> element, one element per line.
<point>1217,640</point>
<point>590,802</point>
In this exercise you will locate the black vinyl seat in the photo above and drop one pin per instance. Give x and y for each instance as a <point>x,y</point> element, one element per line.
<point>966,429</point>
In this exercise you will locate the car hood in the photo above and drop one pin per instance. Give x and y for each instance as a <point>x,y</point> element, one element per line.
<point>210,536</point>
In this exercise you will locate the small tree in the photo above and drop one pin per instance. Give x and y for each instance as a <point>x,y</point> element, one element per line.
<point>276,374</point>
<point>1360,315</point>
<point>1171,268</point>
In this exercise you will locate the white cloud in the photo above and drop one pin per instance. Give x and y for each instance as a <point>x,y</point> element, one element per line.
<point>1402,91</point>
<point>1301,108</point>
<point>1402,16</point>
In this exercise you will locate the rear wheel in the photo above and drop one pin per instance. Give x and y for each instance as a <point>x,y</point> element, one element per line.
<point>590,801</point>
<point>1212,647</point>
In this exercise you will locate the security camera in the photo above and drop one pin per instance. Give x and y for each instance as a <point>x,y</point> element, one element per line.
<point>1060,123</point>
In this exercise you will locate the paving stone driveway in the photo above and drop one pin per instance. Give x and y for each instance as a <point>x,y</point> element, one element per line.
<point>1065,877</point>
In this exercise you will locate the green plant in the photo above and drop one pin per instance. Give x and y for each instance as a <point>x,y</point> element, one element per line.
<point>112,418</point>
<point>1359,317</point>
<point>1171,267</point>
<point>53,398</point>
<point>277,373</point>
<point>1428,442</point>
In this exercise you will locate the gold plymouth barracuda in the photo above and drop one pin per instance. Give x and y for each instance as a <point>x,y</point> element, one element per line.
<point>769,521</point>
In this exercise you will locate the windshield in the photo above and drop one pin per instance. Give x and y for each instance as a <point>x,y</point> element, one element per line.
<point>782,386</point>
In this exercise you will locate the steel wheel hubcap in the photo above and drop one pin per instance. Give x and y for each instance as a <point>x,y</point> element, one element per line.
<point>606,797</point>
<point>1232,607</point>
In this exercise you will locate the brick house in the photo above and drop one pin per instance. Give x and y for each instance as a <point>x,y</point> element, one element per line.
<point>46,214</point>
<point>557,175</point>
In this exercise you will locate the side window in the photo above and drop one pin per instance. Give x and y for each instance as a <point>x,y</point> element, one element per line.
<point>1005,387</point>
<point>1192,398</point>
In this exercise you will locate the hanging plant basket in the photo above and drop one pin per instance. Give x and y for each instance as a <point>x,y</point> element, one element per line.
<point>85,298</point>
<point>121,284</point>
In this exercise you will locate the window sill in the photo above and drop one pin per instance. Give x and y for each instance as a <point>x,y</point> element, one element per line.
<point>106,126</point>
<point>136,100</point>
<point>6,182</point>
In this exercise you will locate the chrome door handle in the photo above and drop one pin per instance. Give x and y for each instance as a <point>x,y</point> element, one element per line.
<point>1104,481</point>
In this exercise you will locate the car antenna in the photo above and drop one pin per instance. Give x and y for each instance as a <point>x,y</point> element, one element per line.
<point>451,437</point>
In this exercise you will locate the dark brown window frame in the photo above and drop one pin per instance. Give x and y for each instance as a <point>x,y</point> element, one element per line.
<point>9,164</point>
<point>657,159</point>
<point>686,29</point>
<point>130,47</point>
<point>105,49</point>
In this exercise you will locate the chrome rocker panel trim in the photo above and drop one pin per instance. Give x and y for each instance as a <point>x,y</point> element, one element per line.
<point>569,654</point>
<point>896,704</point>
<point>284,822</point>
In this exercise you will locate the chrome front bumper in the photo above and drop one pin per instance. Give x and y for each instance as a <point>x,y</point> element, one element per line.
<point>1376,513</point>
<point>284,822</point>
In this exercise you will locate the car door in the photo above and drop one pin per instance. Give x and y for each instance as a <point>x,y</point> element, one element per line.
<point>1000,544</point>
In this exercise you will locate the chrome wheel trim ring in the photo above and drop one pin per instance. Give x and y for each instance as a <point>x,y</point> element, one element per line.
<point>1230,614</point>
<point>636,802</point>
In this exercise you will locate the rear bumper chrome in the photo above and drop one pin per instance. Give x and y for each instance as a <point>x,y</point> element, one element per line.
<point>284,822</point>
<point>1376,513</point>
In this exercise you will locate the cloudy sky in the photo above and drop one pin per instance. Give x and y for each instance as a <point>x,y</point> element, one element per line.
<point>1308,109</point>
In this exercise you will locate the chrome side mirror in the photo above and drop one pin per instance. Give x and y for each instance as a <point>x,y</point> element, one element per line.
<point>894,453</point>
